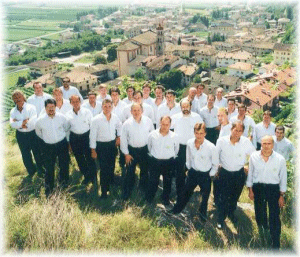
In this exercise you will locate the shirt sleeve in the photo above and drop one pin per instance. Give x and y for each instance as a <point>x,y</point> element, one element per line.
<point>149,145</point>
<point>249,181</point>
<point>188,157</point>
<point>14,124</point>
<point>93,133</point>
<point>214,161</point>
<point>218,149</point>
<point>124,140</point>
<point>282,176</point>
<point>38,129</point>
<point>118,127</point>
<point>176,145</point>
<point>32,118</point>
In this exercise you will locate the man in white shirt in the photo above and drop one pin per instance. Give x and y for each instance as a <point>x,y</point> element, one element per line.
<point>102,93</point>
<point>158,101</point>
<point>232,111</point>
<point>38,98</point>
<point>91,104</point>
<point>233,151</point>
<point>22,118</point>
<point>134,139</point>
<point>267,183</point>
<point>129,90</point>
<point>170,107</point>
<point>52,128</point>
<point>220,100</point>
<point>146,94</point>
<point>282,145</point>
<point>202,163</point>
<point>225,125</point>
<point>80,120</point>
<point>200,96</point>
<point>104,137</point>
<point>209,114</point>
<point>264,128</point>
<point>183,124</point>
<point>191,97</point>
<point>118,105</point>
<point>163,147</point>
<point>68,90</point>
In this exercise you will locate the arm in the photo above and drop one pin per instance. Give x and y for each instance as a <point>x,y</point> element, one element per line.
<point>124,143</point>
<point>249,182</point>
<point>32,118</point>
<point>93,133</point>
<point>38,129</point>
<point>149,144</point>
<point>17,124</point>
<point>188,157</point>
<point>215,161</point>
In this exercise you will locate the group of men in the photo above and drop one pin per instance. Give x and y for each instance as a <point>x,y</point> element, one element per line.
<point>203,138</point>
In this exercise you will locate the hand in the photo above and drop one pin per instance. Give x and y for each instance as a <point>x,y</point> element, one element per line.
<point>128,159</point>
<point>14,120</point>
<point>251,194</point>
<point>24,123</point>
<point>281,201</point>
<point>94,154</point>
<point>118,141</point>
<point>246,169</point>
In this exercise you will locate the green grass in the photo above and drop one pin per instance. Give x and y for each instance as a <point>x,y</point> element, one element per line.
<point>86,59</point>
<point>11,79</point>
<point>16,34</point>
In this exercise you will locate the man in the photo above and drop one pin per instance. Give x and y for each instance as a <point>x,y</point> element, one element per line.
<point>209,114</point>
<point>232,151</point>
<point>248,122</point>
<point>193,100</point>
<point>220,100</point>
<point>38,98</point>
<point>163,147</point>
<point>22,118</point>
<point>225,125</point>
<point>202,164</point>
<point>158,101</point>
<point>183,124</point>
<point>68,90</point>
<point>102,93</point>
<point>146,94</point>
<point>94,107</point>
<point>52,129</point>
<point>118,104</point>
<point>232,111</point>
<point>134,139</point>
<point>129,90</point>
<point>170,107</point>
<point>266,127</point>
<point>267,180</point>
<point>282,145</point>
<point>138,98</point>
<point>80,120</point>
<point>200,96</point>
<point>104,137</point>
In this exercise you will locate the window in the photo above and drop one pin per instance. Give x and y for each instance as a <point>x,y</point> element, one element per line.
<point>80,88</point>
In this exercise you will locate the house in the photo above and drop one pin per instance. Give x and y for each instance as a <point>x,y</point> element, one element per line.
<point>188,72</point>
<point>228,83</point>
<point>224,59</point>
<point>240,69</point>
<point>283,22</point>
<point>224,46</point>
<point>282,53</point>
<point>267,68</point>
<point>208,54</point>
<point>181,50</point>
<point>223,28</point>
<point>258,49</point>
<point>42,67</point>
<point>46,80</point>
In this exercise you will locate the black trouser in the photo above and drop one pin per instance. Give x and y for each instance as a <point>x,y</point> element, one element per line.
<point>106,154</point>
<point>231,187</point>
<point>268,194</point>
<point>140,156</point>
<point>212,134</point>
<point>28,141</point>
<point>258,147</point>
<point>156,168</point>
<point>52,151</point>
<point>82,152</point>
<point>195,178</point>
<point>180,170</point>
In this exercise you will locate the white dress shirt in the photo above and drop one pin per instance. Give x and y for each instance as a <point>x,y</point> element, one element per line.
<point>94,110</point>
<point>99,98</point>
<point>147,111</point>
<point>202,100</point>
<point>184,126</point>
<point>284,147</point>
<point>71,91</point>
<point>221,103</point>
<point>38,101</point>
<point>66,106</point>
<point>234,113</point>
<point>271,172</point>
<point>126,100</point>
<point>163,147</point>
<point>155,110</point>
<point>28,112</point>
<point>164,110</point>
<point>118,109</point>
<point>135,134</point>
<point>248,123</point>
<point>195,104</point>
<point>103,130</point>
<point>204,159</point>
<point>233,157</point>
<point>52,130</point>
<point>149,101</point>
<point>81,122</point>
<point>210,117</point>
<point>225,130</point>
<point>261,131</point>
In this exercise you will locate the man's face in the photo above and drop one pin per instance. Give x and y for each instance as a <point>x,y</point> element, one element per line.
<point>130,92</point>
<point>221,117</point>
<point>279,134</point>
<point>137,98</point>
<point>75,102</point>
<point>267,119</point>
<point>106,108</point>
<point>210,101</point>
<point>186,108</point>
<point>115,96</point>
<point>66,83</point>
<point>158,93</point>
<point>192,93</point>
<point>170,98</point>
<point>103,92</point>
<point>38,89</point>
<point>146,92</point>
<point>92,99</point>
<point>200,134</point>
<point>165,125</point>
<point>57,95</point>
<point>242,111</point>
<point>231,106</point>
<point>136,112</point>
<point>219,94</point>
<point>200,90</point>
<point>19,99</point>
<point>267,144</point>
<point>50,109</point>
<point>237,132</point>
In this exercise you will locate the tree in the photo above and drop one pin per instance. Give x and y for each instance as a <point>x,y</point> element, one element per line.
<point>179,41</point>
<point>112,52</point>
<point>140,75</point>
<point>100,59</point>
<point>21,81</point>
<point>170,79</point>
<point>267,25</point>
<point>197,79</point>
<point>289,13</point>
<point>204,65</point>
<point>106,26</point>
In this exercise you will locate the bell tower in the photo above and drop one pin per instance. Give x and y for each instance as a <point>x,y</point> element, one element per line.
<point>160,40</point>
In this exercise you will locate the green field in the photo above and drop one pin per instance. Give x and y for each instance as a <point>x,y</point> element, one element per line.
<point>11,79</point>
<point>21,34</point>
